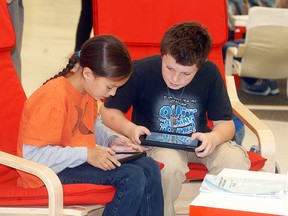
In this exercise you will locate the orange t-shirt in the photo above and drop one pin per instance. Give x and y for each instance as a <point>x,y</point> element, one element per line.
<point>56,114</point>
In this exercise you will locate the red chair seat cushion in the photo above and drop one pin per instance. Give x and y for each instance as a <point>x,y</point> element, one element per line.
<point>257,161</point>
<point>198,171</point>
<point>74,194</point>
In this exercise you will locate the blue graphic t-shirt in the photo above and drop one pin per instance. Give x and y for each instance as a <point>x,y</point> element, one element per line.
<point>159,108</point>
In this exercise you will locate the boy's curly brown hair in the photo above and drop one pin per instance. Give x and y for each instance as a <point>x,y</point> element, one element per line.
<point>188,43</point>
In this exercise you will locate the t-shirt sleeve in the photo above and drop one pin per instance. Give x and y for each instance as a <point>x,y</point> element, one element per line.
<point>103,134</point>
<point>123,98</point>
<point>56,157</point>
<point>219,106</point>
<point>129,93</point>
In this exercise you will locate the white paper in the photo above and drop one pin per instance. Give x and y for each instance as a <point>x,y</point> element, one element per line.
<point>243,186</point>
<point>260,203</point>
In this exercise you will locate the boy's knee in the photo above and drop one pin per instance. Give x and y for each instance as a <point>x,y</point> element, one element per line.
<point>172,173</point>
<point>175,163</point>
<point>228,155</point>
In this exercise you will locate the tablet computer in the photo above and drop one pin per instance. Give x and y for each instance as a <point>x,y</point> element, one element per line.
<point>124,157</point>
<point>170,140</point>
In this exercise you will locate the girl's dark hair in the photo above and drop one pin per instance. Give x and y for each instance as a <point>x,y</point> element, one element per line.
<point>187,42</point>
<point>105,55</point>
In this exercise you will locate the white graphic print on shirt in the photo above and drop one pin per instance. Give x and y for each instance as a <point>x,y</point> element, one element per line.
<point>177,117</point>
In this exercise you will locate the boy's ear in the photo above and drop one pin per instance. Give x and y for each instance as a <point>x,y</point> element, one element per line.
<point>88,73</point>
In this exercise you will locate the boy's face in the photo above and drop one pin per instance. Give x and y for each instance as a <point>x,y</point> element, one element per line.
<point>175,75</point>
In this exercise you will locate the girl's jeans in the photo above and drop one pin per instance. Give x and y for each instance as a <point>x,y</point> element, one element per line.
<point>138,183</point>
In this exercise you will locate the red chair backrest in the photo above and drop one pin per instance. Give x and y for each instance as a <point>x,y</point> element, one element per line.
<point>141,24</point>
<point>12,95</point>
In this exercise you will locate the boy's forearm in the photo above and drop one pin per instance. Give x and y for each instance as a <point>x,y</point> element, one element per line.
<point>223,131</point>
<point>116,120</point>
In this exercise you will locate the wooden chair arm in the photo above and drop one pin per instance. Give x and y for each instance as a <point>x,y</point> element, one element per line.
<point>50,179</point>
<point>241,50</point>
<point>230,54</point>
<point>264,135</point>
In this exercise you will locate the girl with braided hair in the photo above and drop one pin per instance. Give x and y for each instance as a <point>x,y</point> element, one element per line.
<point>59,129</point>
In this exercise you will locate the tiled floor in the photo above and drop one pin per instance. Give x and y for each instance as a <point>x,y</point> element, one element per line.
<point>49,38</point>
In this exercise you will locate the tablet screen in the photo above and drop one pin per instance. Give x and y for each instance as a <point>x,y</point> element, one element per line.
<point>171,138</point>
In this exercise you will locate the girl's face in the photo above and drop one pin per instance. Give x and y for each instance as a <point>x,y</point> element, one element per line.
<point>101,87</point>
<point>175,75</point>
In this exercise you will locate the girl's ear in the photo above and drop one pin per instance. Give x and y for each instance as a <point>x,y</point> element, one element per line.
<point>88,73</point>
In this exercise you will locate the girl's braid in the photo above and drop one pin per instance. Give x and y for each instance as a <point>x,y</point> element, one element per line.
<point>71,63</point>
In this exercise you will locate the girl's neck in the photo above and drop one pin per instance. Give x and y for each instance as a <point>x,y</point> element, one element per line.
<point>76,80</point>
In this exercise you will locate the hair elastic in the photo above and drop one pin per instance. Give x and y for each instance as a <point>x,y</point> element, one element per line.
<point>79,53</point>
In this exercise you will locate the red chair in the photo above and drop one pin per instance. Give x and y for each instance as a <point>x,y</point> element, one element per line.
<point>141,25</point>
<point>54,195</point>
